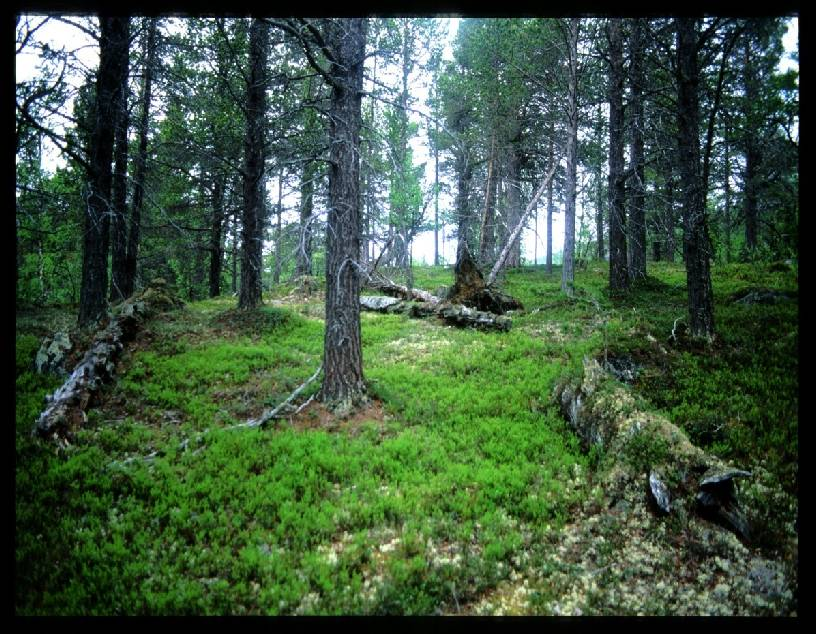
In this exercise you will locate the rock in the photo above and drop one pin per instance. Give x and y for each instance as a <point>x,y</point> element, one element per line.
<point>660,492</point>
<point>623,368</point>
<point>52,353</point>
<point>717,499</point>
<point>759,295</point>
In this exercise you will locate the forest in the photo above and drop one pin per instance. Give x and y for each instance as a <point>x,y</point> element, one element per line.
<point>406,315</point>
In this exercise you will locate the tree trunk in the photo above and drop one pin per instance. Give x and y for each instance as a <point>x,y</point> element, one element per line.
<point>550,206</point>
<point>727,196</point>
<point>141,161</point>
<point>695,238</point>
<point>436,197</point>
<point>487,231</point>
<point>304,249</point>
<point>279,233</point>
<point>599,210</point>
<point>568,266</point>
<point>669,218</point>
<point>464,174</point>
<point>119,196</point>
<point>254,158</point>
<point>637,212</point>
<point>514,210</point>
<point>216,250</point>
<point>343,383</point>
<point>113,60</point>
<point>618,274</point>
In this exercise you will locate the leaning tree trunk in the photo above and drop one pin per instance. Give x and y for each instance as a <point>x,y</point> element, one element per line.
<point>119,198</point>
<point>254,216</point>
<point>141,162</point>
<point>637,213</point>
<point>112,66</point>
<point>618,274</point>
<point>343,384</point>
<point>695,238</point>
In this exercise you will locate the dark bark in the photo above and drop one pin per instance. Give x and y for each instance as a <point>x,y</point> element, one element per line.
<point>618,270</point>
<point>568,266</point>
<point>343,383</point>
<point>637,212</point>
<point>216,235</point>
<point>119,197</point>
<point>695,236</point>
<point>669,219</point>
<point>140,174</point>
<point>254,159</point>
<point>113,60</point>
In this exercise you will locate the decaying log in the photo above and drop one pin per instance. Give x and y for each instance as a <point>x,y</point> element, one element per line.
<point>384,285</point>
<point>453,314</point>
<point>606,416</point>
<point>66,408</point>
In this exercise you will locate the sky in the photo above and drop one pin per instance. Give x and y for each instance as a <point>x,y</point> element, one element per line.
<point>62,36</point>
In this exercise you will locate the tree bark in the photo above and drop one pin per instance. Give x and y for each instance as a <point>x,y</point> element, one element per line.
<point>752,153</point>
<point>216,224</point>
<point>637,212</point>
<point>514,211</point>
<point>618,273</point>
<point>695,238</point>
<point>550,206</point>
<point>464,174</point>
<point>279,233</point>
<point>343,385</point>
<point>304,250</point>
<point>140,175</point>
<point>487,230</point>
<point>568,267</point>
<point>254,159</point>
<point>119,196</point>
<point>112,66</point>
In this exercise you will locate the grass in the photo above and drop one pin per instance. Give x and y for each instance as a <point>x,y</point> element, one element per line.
<point>459,482</point>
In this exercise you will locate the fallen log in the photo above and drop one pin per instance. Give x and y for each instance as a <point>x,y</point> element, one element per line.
<point>646,456</point>
<point>66,408</point>
<point>381,283</point>
<point>453,314</point>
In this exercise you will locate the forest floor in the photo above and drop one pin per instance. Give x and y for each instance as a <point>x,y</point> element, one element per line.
<point>460,489</point>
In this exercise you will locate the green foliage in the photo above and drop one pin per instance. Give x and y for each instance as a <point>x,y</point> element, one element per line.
<point>468,468</point>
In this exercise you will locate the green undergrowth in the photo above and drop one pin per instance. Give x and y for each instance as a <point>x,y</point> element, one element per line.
<point>462,476</point>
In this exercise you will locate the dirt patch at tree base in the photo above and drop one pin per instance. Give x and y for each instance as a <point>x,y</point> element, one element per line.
<point>316,416</point>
